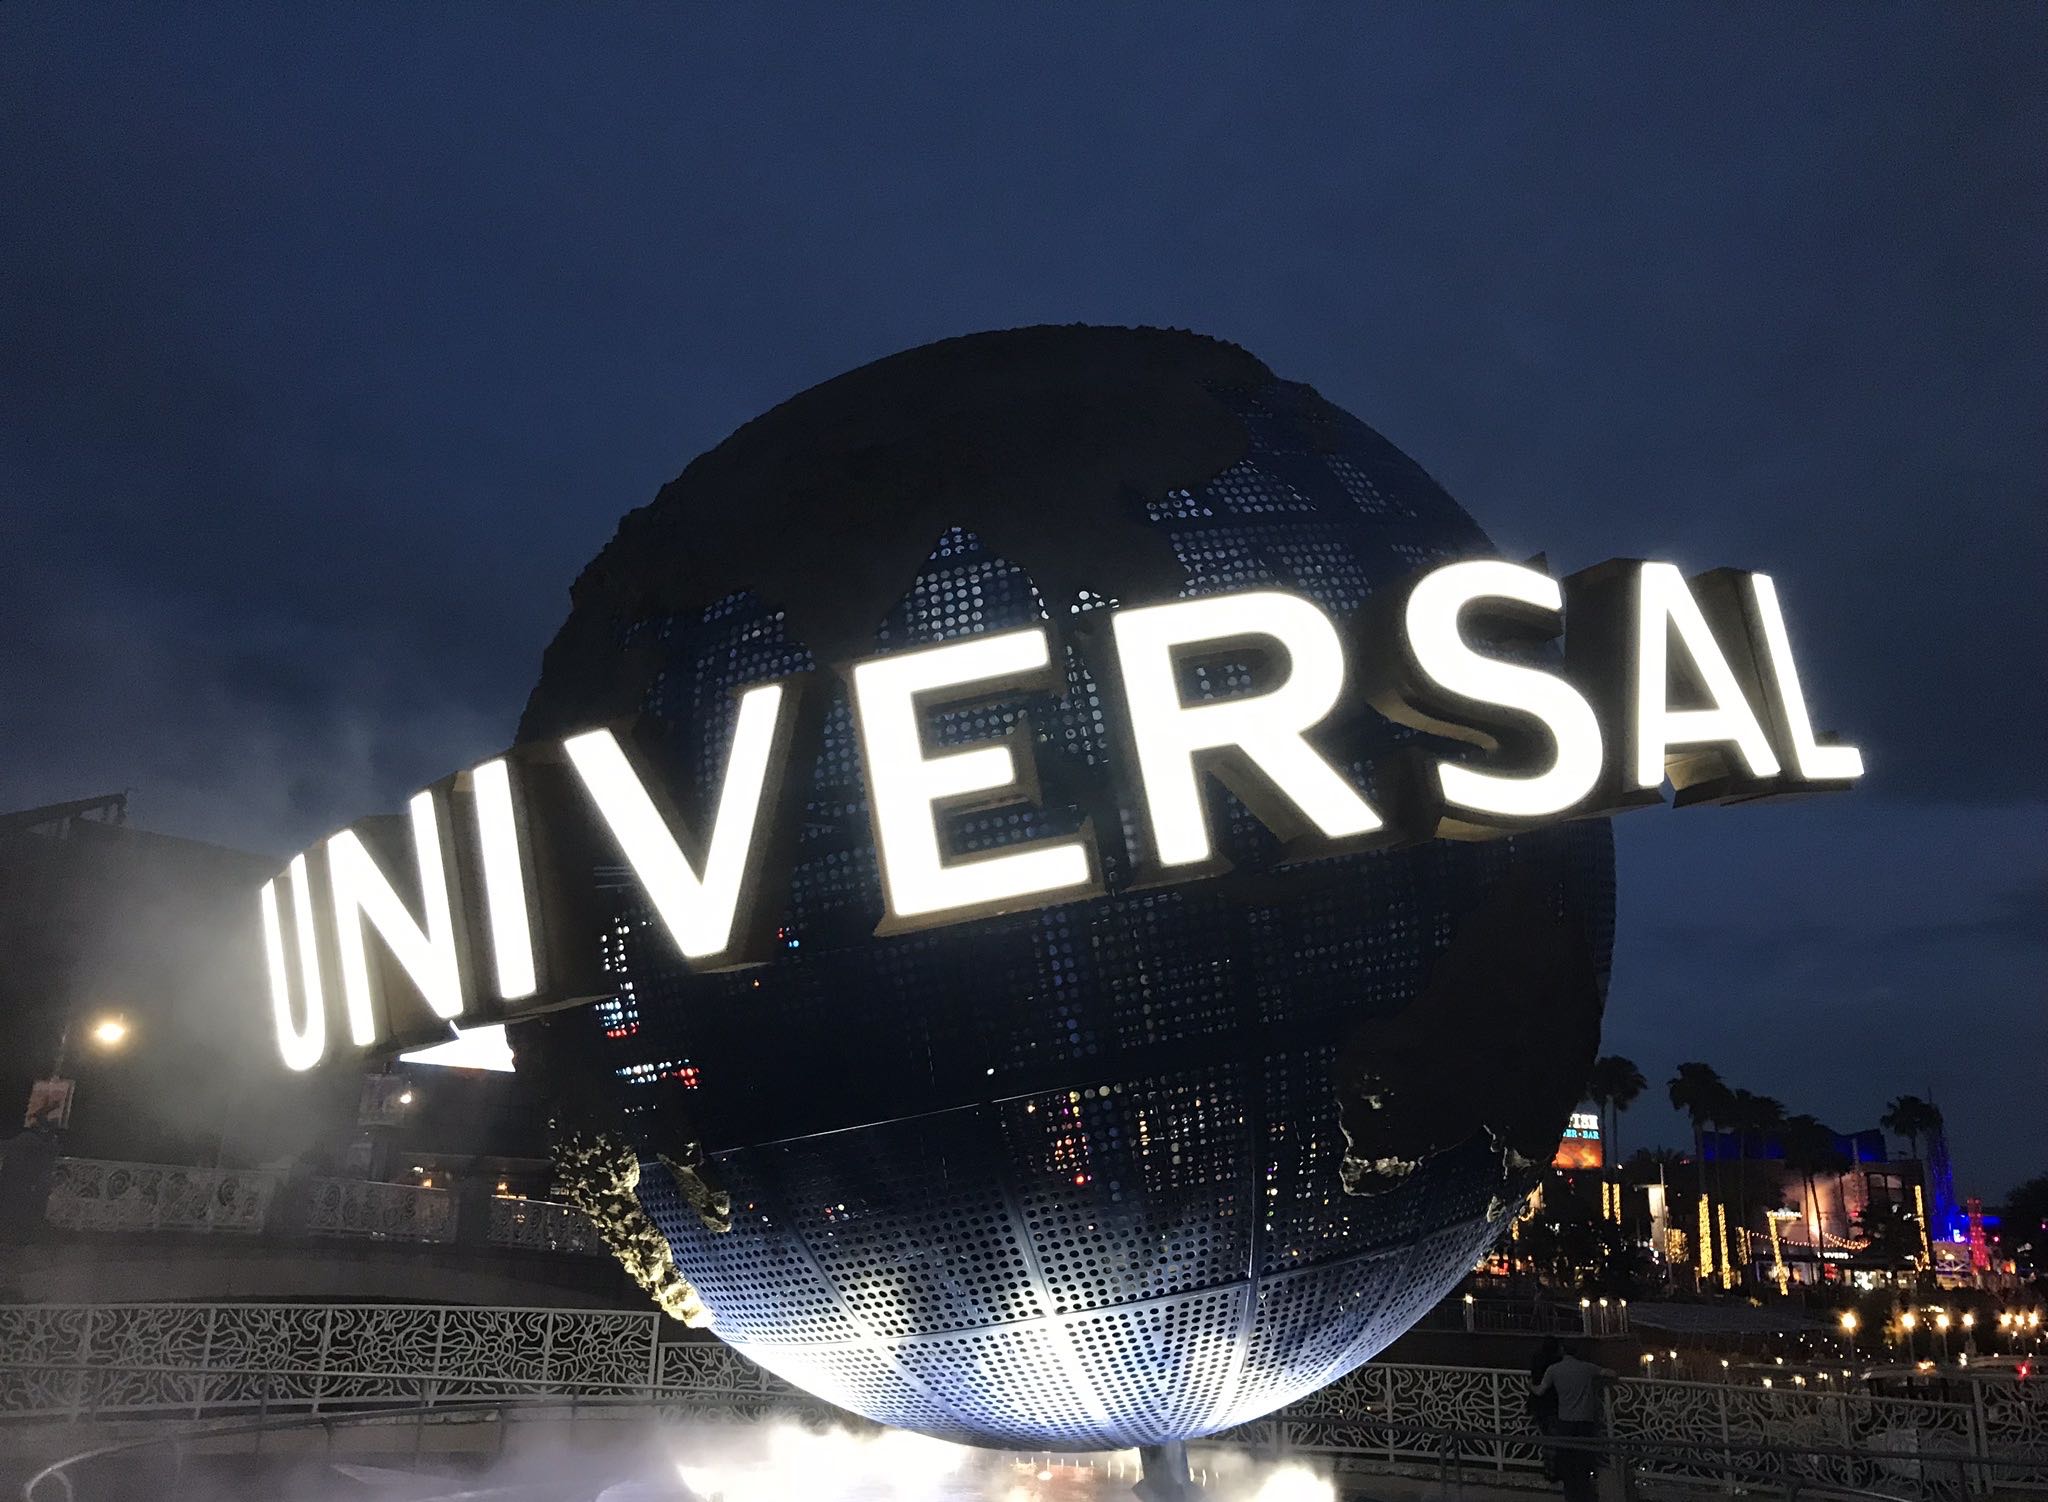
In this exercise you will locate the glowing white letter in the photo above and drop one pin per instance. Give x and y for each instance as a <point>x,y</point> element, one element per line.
<point>905,785</point>
<point>1816,763</point>
<point>1431,622</point>
<point>1267,728</point>
<point>301,1047</point>
<point>361,890</point>
<point>700,913</point>
<point>504,881</point>
<point>1663,599</point>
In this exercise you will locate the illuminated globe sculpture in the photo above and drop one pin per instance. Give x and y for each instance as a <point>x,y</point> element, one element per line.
<point>1122,1171</point>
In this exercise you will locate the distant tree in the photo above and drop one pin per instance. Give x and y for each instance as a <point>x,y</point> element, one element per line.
<point>1647,1165</point>
<point>1912,1118</point>
<point>1567,1245</point>
<point>1810,1152</point>
<point>2025,1221</point>
<point>1623,1268</point>
<point>1614,1085</point>
<point>1893,1233</point>
<point>1699,1092</point>
<point>1662,1165</point>
<point>1751,1116</point>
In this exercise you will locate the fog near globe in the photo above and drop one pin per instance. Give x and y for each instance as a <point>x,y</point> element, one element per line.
<point>645,1461</point>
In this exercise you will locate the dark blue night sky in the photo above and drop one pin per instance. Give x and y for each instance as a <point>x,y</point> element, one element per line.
<point>333,342</point>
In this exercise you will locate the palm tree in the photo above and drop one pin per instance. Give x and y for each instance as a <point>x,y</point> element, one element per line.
<point>1754,1115</point>
<point>1912,1118</point>
<point>1699,1092</point>
<point>1750,1115</point>
<point>1614,1086</point>
<point>1649,1165</point>
<point>1810,1151</point>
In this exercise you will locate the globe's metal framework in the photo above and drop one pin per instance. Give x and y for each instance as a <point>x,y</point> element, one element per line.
<point>1069,1178</point>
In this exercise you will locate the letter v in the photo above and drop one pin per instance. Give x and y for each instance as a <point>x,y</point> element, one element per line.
<point>701,913</point>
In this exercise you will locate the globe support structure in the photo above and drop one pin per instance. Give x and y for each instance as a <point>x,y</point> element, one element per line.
<point>1166,1476</point>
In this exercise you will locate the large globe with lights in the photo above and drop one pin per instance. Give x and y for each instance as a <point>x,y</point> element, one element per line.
<point>1124,1170</point>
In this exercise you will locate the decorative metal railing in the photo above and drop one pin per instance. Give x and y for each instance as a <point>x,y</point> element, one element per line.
<point>94,1194</point>
<point>97,1194</point>
<point>198,1360</point>
<point>387,1212</point>
<point>1856,1439</point>
<point>203,1360</point>
<point>542,1225</point>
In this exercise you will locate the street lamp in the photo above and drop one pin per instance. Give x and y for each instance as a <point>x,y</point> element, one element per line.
<point>49,1101</point>
<point>109,1031</point>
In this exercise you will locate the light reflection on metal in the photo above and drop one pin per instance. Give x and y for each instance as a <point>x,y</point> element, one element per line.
<point>470,1048</point>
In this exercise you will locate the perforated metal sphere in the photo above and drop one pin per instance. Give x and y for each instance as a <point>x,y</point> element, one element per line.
<point>1118,1171</point>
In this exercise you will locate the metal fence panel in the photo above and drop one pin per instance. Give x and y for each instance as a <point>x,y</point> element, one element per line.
<point>199,1360</point>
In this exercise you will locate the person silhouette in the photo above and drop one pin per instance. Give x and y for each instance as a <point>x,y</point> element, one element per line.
<point>1543,1405</point>
<point>1577,1384</point>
